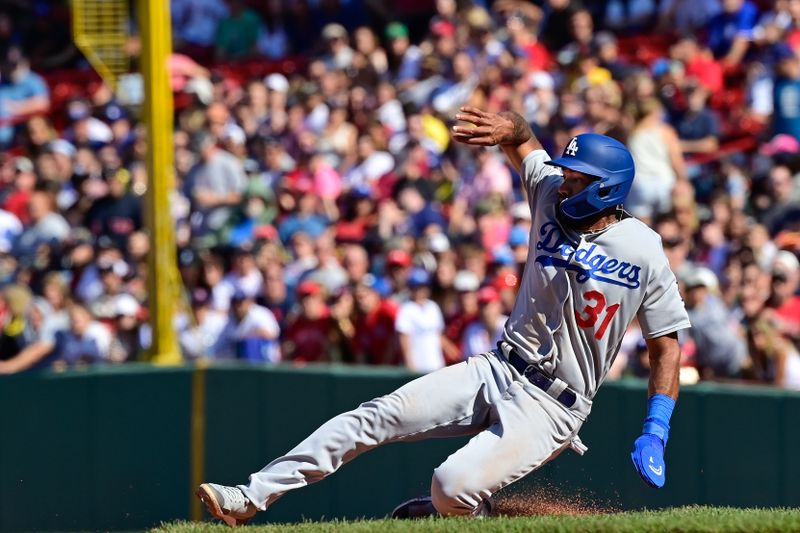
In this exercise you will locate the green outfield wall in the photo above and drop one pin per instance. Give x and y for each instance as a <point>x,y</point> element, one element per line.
<point>120,448</point>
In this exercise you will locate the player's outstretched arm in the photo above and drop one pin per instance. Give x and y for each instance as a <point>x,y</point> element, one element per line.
<point>508,130</point>
<point>648,449</point>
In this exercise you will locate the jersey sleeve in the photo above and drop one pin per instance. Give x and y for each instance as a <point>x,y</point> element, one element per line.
<point>534,170</point>
<point>662,310</point>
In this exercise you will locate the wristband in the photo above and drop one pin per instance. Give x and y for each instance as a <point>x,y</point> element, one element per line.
<point>659,411</point>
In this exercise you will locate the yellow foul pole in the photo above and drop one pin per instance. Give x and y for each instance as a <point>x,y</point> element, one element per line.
<point>162,278</point>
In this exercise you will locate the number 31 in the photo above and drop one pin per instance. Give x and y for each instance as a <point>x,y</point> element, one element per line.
<point>588,317</point>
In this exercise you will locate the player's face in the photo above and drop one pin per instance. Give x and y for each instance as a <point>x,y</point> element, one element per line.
<point>574,182</point>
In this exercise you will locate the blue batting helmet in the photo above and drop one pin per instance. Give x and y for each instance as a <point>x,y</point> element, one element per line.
<point>602,157</point>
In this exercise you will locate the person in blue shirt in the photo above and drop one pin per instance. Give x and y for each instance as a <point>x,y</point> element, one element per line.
<point>305,218</point>
<point>730,32</point>
<point>22,93</point>
<point>786,96</point>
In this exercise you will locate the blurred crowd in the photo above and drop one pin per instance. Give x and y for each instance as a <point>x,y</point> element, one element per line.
<point>324,214</point>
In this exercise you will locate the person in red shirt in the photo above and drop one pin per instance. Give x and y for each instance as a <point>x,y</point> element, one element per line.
<point>375,341</point>
<point>310,331</point>
<point>784,299</point>
<point>24,181</point>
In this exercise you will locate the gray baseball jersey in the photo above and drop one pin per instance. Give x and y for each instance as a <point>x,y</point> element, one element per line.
<point>578,294</point>
<point>579,291</point>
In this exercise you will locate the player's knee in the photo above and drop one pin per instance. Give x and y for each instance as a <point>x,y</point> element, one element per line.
<point>449,493</point>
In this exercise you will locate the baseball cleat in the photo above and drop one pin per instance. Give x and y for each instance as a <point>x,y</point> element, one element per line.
<point>228,504</point>
<point>422,507</point>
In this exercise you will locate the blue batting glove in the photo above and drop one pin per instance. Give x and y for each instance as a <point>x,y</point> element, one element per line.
<point>648,458</point>
<point>648,449</point>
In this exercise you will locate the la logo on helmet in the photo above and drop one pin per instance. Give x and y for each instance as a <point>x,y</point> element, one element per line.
<point>572,147</point>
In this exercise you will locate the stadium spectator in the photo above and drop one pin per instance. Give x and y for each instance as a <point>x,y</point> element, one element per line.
<point>374,339</point>
<point>721,349</point>
<point>659,163</point>
<point>787,89</point>
<point>730,31</point>
<point>420,325</point>
<point>22,92</point>
<point>309,332</point>
<point>237,33</point>
<point>250,333</point>
<point>333,166</point>
<point>85,341</point>
<point>483,334</point>
<point>195,24</point>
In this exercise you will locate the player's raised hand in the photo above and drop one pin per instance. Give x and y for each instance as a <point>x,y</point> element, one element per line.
<point>489,129</point>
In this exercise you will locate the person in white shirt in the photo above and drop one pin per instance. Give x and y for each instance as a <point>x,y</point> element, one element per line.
<point>200,338</point>
<point>244,275</point>
<point>10,229</point>
<point>420,324</point>
<point>251,332</point>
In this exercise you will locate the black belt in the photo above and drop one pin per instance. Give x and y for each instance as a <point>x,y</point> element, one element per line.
<point>536,376</point>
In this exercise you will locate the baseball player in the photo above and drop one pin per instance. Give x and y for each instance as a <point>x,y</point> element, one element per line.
<point>591,269</point>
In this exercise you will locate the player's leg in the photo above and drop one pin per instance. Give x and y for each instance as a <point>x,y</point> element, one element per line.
<point>452,401</point>
<point>531,428</point>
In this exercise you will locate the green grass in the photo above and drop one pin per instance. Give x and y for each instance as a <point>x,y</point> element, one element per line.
<point>695,519</point>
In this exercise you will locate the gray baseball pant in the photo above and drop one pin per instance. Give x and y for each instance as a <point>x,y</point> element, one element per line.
<point>517,428</point>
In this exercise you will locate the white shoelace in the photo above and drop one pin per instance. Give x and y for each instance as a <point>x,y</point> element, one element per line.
<point>234,499</point>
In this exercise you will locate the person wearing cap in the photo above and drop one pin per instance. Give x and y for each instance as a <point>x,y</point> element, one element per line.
<point>466,285</point>
<point>309,333</point>
<point>606,49</point>
<point>339,55</point>
<point>405,59</point>
<point>199,337</point>
<point>127,342</point>
<point>482,334</point>
<point>398,267</point>
<point>358,218</point>
<point>251,332</point>
<point>375,341</point>
<point>721,346</point>
<point>518,242</point>
<point>784,299</point>
<point>420,325</point>
<point>118,213</point>
<point>113,275</point>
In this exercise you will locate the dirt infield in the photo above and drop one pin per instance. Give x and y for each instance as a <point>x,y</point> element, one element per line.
<point>548,501</point>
